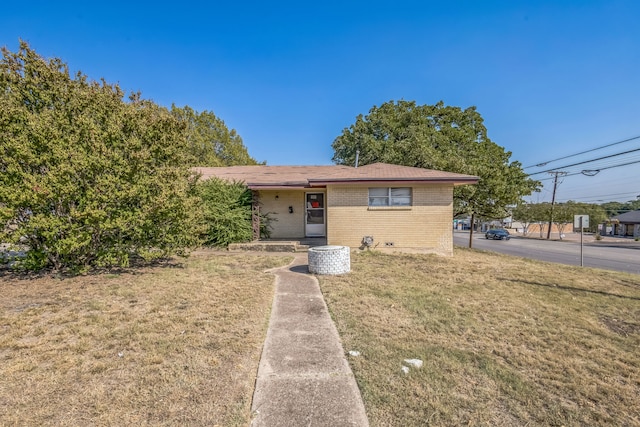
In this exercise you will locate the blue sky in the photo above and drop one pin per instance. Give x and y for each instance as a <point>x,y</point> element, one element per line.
<point>550,78</point>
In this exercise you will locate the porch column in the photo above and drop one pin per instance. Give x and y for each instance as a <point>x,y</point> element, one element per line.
<point>255,215</point>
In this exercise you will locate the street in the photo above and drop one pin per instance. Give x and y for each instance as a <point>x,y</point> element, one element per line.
<point>602,254</point>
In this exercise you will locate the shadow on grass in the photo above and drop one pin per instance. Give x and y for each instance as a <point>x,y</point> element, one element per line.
<point>137,266</point>
<point>569,288</point>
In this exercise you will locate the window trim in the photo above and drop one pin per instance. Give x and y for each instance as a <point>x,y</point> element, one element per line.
<point>388,199</point>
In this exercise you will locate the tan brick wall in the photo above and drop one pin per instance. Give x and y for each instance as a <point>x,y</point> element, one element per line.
<point>285,225</point>
<point>425,226</point>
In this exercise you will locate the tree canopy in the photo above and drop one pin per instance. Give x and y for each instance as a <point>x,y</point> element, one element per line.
<point>443,138</point>
<point>617,208</point>
<point>563,213</point>
<point>209,140</point>
<point>87,178</point>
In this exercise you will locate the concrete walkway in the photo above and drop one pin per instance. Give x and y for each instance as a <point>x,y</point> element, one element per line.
<point>303,377</point>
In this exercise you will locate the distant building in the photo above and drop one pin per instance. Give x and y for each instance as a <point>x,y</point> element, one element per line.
<point>626,224</point>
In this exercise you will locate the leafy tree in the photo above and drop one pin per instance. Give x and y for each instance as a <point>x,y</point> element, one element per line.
<point>597,214</point>
<point>613,208</point>
<point>617,208</point>
<point>444,138</point>
<point>87,179</point>
<point>210,142</point>
<point>542,213</point>
<point>227,212</point>
<point>524,213</point>
<point>563,215</point>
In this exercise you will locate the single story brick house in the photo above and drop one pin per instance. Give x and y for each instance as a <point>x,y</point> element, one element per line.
<point>627,224</point>
<point>400,207</point>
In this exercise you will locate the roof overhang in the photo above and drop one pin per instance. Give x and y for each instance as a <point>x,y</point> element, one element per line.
<point>253,186</point>
<point>390,181</point>
<point>262,177</point>
<point>323,183</point>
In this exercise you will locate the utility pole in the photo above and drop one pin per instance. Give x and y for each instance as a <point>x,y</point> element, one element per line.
<point>553,199</point>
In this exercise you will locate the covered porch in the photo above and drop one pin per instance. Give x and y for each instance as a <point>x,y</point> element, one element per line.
<point>293,214</point>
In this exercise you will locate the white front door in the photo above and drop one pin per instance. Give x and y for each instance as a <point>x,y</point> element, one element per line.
<point>315,215</point>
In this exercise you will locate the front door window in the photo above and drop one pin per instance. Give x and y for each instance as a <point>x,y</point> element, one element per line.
<point>314,218</point>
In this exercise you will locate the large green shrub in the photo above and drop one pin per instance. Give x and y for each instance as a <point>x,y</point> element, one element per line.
<point>227,213</point>
<point>86,178</point>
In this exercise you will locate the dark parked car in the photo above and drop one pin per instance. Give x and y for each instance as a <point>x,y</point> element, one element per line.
<point>497,234</point>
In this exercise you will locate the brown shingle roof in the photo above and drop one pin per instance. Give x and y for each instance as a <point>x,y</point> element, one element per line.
<point>261,176</point>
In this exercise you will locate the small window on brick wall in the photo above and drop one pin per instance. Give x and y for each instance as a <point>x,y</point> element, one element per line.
<point>387,196</point>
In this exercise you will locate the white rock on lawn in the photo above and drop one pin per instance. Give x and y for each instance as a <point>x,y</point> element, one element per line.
<point>416,363</point>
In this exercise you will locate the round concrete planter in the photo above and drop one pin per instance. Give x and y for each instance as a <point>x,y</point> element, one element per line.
<point>329,260</point>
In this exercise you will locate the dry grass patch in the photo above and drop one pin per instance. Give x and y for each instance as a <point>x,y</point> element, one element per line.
<point>172,345</point>
<point>505,341</point>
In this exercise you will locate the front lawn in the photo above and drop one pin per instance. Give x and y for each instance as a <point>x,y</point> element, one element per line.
<point>505,341</point>
<point>174,345</point>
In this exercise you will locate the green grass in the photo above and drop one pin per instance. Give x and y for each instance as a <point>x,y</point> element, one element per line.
<point>505,341</point>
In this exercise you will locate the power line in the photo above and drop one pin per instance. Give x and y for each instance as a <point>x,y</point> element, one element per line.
<point>601,197</point>
<point>598,170</point>
<point>590,167</point>
<point>588,161</point>
<point>603,183</point>
<point>601,169</point>
<point>611,162</point>
<point>591,172</point>
<point>582,152</point>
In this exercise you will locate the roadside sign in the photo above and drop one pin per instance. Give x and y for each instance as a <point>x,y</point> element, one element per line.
<point>577,224</point>
<point>581,222</point>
